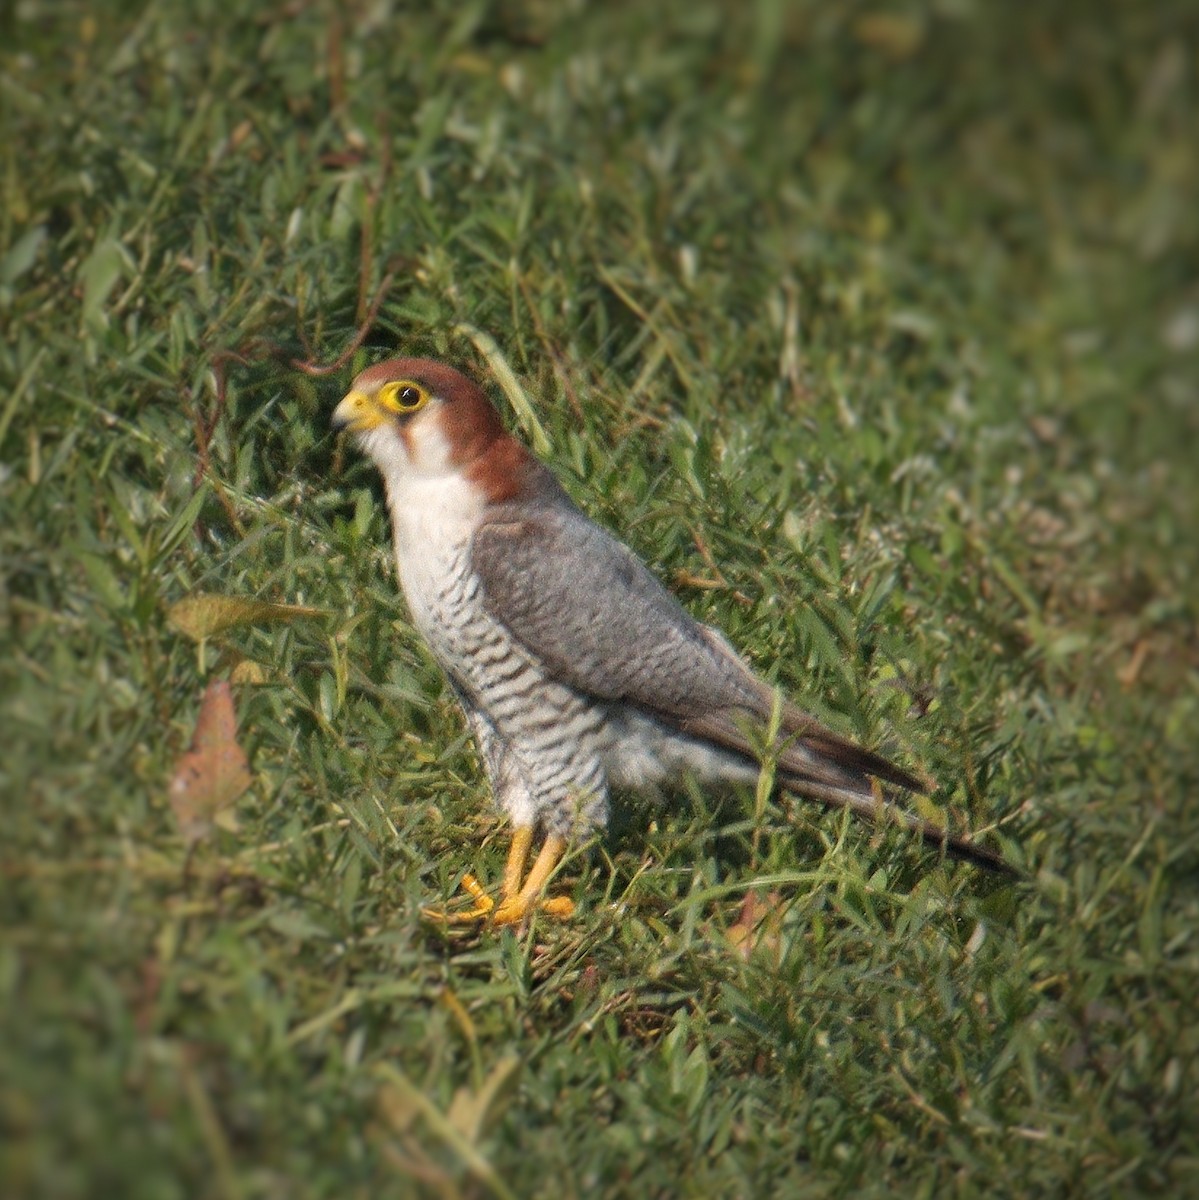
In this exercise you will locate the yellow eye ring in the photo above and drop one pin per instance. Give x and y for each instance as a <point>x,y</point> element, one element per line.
<point>403,396</point>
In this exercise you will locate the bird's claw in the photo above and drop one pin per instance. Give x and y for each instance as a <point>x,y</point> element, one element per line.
<point>512,910</point>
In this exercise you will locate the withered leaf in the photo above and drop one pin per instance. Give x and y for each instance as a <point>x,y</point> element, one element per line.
<point>214,771</point>
<point>758,924</point>
<point>203,615</point>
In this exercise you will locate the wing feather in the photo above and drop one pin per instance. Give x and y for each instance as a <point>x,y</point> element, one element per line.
<point>583,603</point>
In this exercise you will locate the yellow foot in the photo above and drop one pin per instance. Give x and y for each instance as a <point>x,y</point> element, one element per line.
<point>511,911</point>
<point>484,906</point>
<point>517,902</point>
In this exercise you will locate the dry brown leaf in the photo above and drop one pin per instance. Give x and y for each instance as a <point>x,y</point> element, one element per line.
<point>214,772</point>
<point>204,615</point>
<point>757,925</point>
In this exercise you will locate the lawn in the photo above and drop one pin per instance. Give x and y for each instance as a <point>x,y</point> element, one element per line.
<point>874,329</point>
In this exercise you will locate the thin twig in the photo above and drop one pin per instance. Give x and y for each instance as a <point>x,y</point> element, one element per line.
<point>315,369</point>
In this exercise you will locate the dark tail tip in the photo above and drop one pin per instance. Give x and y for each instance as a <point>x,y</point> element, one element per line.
<point>965,850</point>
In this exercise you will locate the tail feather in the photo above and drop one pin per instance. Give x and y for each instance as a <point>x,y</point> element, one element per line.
<point>856,761</point>
<point>880,809</point>
<point>816,763</point>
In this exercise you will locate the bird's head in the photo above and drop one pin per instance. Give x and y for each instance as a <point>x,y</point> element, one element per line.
<point>420,419</point>
<point>417,417</point>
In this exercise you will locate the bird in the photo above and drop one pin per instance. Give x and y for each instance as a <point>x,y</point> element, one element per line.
<point>577,671</point>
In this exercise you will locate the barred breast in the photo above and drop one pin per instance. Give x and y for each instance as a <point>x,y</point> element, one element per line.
<point>542,741</point>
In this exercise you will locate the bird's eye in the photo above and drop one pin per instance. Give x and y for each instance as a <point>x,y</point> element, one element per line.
<point>404,397</point>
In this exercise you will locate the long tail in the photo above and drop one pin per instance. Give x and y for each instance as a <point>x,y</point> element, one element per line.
<point>818,764</point>
<point>883,810</point>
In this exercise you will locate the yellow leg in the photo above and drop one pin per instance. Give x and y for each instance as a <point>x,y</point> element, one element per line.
<point>518,855</point>
<point>516,901</point>
<point>516,907</point>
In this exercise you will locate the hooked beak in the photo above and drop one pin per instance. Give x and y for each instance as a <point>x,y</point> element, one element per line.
<point>358,413</point>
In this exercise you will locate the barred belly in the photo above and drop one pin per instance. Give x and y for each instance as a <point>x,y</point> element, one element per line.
<point>541,740</point>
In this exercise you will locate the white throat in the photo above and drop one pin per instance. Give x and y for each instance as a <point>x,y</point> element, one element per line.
<point>434,510</point>
<point>421,451</point>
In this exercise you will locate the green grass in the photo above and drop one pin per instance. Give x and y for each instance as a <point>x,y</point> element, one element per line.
<point>893,311</point>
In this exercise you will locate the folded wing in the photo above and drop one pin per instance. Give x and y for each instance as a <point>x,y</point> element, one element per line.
<point>581,602</point>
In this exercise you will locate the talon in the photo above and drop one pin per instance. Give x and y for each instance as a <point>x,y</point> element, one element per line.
<point>517,901</point>
<point>512,911</point>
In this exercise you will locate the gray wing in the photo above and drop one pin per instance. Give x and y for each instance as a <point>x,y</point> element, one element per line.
<point>581,602</point>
